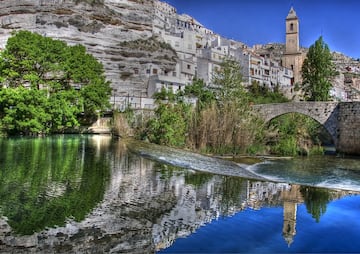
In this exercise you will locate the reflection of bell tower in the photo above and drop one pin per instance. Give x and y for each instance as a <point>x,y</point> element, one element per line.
<point>293,58</point>
<point>290,198</point>
<point>289,230</point>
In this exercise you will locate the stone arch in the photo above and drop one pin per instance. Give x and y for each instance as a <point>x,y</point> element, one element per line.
<point>325,113</point>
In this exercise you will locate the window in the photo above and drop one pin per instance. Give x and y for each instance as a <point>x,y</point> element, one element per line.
<point>188,67</point>
<point>148,71</point>
<point>136,71</point>
<point>155,71</point>
<point>291,27</point>
<point>292,67</point>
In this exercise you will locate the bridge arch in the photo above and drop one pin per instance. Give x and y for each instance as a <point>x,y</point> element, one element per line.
<point>326,113</point>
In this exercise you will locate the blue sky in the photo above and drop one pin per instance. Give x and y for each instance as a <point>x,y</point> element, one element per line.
<point>263,21</point>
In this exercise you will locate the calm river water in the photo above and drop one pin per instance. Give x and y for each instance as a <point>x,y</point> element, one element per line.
<point>95,194</point>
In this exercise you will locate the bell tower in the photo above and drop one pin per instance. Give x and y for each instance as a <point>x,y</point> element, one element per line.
<point>293,58</point>
<point>292,32</point>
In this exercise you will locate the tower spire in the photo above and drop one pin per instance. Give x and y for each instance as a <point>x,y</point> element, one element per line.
<point>292,14</point>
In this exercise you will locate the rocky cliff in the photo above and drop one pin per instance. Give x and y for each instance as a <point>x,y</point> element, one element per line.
<point>106,28</point>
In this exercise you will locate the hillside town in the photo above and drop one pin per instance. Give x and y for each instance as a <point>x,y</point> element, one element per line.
<point>201,51</point>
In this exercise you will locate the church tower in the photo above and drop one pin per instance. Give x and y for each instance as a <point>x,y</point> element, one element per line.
<point>293,58</point>
<point>292,33</point>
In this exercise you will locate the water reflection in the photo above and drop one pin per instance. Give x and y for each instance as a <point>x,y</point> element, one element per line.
<point>226,196</point>
<point>90,194</point>
<point>44,181</point>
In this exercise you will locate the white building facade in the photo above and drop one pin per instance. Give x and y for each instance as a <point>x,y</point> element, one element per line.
<point>200,53</point>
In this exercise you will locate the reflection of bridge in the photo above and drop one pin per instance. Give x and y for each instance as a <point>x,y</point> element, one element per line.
<point>340,119</point>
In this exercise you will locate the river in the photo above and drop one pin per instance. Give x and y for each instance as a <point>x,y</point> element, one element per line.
<point>95,194</point>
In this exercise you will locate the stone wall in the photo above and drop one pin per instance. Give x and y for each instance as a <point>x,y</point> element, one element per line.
<point>349,128</point>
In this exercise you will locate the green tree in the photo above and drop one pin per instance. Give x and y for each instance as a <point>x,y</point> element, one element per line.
<point>294,134</point>
<point>230,82</point>
<point>170,124</point>
<point>24,111</point>
<point>198,89</point>
<point>262,95</point>
<point>317,72</point>
<point>63,109</point>
<point>61,82</point>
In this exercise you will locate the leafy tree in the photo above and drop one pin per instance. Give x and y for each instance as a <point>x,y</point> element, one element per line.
<point>170,124</point>
<point>198,89</point>
<point>230,82</point>
<point>61,82</point>
<point>23,111</point>
<point>294,134</point>
<point>165,94</point>
<point>262,94</point>
<point>317,72</point>
<point>63,110</point>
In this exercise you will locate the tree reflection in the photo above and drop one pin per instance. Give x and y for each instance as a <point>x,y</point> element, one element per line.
<point>46,180</point>
<point>197,179</point>
<point>166,170</point>
<point>316,200</point>
<point>233,192</point>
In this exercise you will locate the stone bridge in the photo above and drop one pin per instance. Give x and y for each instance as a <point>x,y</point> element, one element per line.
<point>340,119</point>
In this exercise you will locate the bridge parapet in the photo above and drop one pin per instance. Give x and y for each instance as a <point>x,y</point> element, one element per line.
<point>320,111</point>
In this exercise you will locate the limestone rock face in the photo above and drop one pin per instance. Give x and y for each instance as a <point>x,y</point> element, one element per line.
<point>100,25</point>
